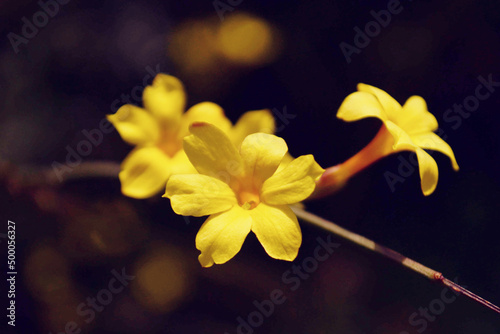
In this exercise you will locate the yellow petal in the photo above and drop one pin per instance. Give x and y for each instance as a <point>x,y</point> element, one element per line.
<point>294,183</point>
<point>402,140</point>
<point>432,141</point>
<point>221,236</point>
<point>198,195</point>
<point>277,230</point>
<point>207,112</point>
<point>414,118</point>
<point>285,161</point>
<point>427,165</point>
<point>262,154</point>
<point>211,152</point>
<point>144,172</point>
<point>180,164</point>
<point>389,104</point>
<point>252,122</point>
<point>428,172</point>
<point>165,98</point>
<point>359,105</point>
<point>135,125</point>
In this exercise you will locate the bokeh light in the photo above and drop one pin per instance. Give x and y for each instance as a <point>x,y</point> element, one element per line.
<point>163,280</point>
<point>245,39</point>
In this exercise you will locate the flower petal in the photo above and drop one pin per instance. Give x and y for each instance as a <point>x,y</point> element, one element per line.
<point>180,164</point>
<point>285,161</point>
<point>252,122</point>
<point>278,231</point>
<point>402,141</point>
<point>415,118</point>
<point>198,195</point>
<point>389,104</point>
<point>205,112</point>
<point>144,172</point>
<point>221,236</point>
<point>292,184</point>
<point>135,125</point>
<point>427,165</point>
<point>359,105</point>
<point>262,154</point>
<point>428,172</point>
<point>432,141</point>
<point>211,152</point>
<point>165,98</point>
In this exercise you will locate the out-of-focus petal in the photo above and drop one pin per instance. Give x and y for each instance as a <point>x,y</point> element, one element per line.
<point>144,172</point>
<point>252,122</point>
<point>165,99</point>
<point>212,153</point>
<point>207,112</point>
<point>135,125</point>
<point>180,164</point>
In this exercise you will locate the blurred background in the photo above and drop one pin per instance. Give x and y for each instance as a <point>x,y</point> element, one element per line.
<point>82,60</point>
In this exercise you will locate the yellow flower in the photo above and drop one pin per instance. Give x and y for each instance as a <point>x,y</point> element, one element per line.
<point>242,191</point>
<point>157,131</point>
<point>405,128</point>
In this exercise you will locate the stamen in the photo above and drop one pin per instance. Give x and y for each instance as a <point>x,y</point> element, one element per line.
<point>249,205</point>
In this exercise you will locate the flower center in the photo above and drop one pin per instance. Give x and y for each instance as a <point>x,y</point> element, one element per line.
<point>169,143</point>
<point>248,200</point>
<point>248,195</point>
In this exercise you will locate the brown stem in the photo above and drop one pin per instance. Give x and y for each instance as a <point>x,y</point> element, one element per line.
<point>389,253</point>
<point>19,178</point>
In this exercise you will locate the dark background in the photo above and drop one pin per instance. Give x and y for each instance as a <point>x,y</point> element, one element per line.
<point>66,79</point>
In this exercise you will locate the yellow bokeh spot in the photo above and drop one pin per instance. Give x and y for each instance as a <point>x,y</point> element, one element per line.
<point>246,40</point>
<point>47,274</point>
<point>192,45</point>
<point>201,46</point>
<point>162,280</point>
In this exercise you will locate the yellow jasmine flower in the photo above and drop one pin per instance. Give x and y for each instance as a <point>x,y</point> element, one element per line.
<point>242,191</point>
<point>404,128</point>
<point>157,131</point>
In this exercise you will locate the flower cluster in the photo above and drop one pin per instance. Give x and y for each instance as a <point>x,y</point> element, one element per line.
<point>241,176</point>
<point>157,131</point>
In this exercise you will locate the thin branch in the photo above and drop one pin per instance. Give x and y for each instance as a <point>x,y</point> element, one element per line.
<point>470,294</point>
<point>389,253</point>
<point>28,177</point>
<point>24,177</point>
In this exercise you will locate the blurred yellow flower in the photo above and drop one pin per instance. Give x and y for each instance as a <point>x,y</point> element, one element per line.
<point>405,128</point>
<point>242,191</point>
<point>157,131</point>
